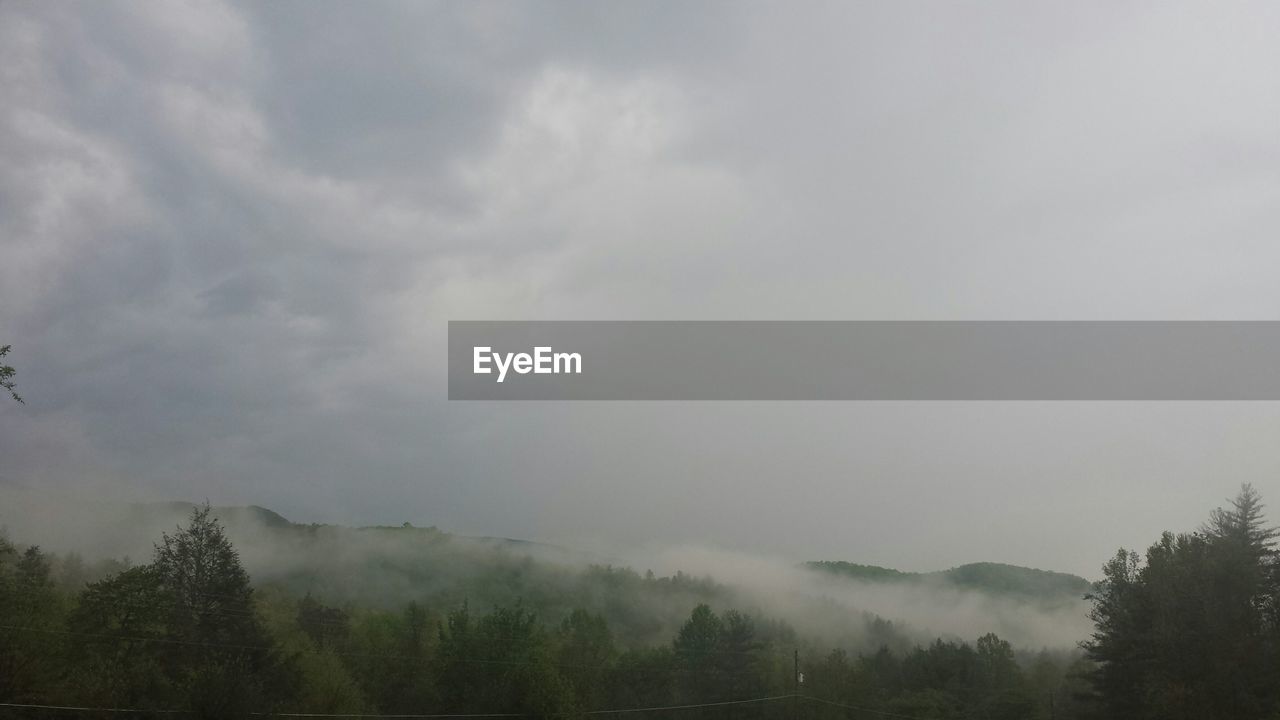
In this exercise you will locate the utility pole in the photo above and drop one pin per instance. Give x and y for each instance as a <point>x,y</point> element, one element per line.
<point>795,686</point>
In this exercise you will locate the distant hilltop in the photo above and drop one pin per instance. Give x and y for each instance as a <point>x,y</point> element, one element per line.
<point>163,516</point>
<point>230,515</point>
<point>861,606</point>
<point>987,577</point>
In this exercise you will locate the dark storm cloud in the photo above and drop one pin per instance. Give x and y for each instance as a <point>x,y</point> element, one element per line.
<point>232,235</point>
<point>401,94</point>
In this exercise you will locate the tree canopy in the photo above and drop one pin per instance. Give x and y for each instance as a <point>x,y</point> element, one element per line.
<point>1189,629</point>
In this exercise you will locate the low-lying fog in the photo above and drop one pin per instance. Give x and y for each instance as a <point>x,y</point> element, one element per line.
<point>929,605</point>
<point>392,566</point>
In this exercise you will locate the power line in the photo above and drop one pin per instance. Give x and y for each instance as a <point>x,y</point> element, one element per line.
<point>72,708</point>
<point>611,711</point>
<point>855,708</point>
<point>119,638</point>
<point>140,711</point>
<point>685,707</point>
<point>400,715</point>
<point>351,623</point>
<point>315,651</point>
<point>239,646</point>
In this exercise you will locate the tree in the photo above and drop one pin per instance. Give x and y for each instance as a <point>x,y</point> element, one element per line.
<point>326,626</point>
<point>1244,528</point>
<point>27,600</point>
<point>121,623</point>
<point>223,656</point>
<point>499,664</point>
<point>6,376</point>
<point>182,630</point>
<point>718,658</point>
<point>997,669</point>
<point>1001,681</point>
<point>643,677</point>
<point>389,655</point>
<point>695,649</point>
<point>1189,632</point>
<point>738,658</point>
<point>585,653</point>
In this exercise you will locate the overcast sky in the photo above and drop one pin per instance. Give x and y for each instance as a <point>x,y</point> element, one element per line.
<point>231,237</point>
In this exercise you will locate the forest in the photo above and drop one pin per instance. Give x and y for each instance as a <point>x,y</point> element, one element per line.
<point>1190,629</point>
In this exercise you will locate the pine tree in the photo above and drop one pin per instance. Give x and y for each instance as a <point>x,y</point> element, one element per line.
<point>695,649</point>
<point>1190,632</point>
<point>1244,523</point>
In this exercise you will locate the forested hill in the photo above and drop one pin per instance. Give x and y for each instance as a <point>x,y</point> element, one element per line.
<point>986,577</point>
<point>250,518</point>
<point>387,566</point>
<point>992,578</point>
<point>1000,579</point>
<point>327,621</point>
<point>149,513</point>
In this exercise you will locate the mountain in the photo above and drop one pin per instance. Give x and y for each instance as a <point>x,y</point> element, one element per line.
<point>387,566</point>
<point>233,515</point>
<point>996,579</point>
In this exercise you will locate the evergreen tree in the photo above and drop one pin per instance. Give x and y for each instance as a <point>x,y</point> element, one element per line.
<point>1189,632</point>
<point>695,650</point>
<point>499,664</point>
<point>585,652</point>
<point>28,656</point>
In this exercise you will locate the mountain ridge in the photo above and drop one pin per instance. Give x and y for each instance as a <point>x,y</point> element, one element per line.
<point>990,577</point>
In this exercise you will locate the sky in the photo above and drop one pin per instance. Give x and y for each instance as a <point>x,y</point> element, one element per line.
<point>231,237</point>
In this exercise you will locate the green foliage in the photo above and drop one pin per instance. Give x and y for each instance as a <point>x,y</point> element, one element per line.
<point>179,632</point>
<point>326,626</point>
<point>584,652</point>
<point>998,578</point>
<point>873,573</point>
<point>499,663</point>
<point>27,599</point>
<point>1190,630</point>
<point>1186,631</point>
<point>121,622</point>
<point>6,376</point>
<point>946,679</point>
<point>696,656</point>
<point>382,568</point>
<point>1043,586</point>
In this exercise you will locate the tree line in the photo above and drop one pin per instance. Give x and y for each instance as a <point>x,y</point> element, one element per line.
<point>1188,631</point>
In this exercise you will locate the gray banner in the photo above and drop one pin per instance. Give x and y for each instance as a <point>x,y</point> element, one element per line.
<point>816,360</point>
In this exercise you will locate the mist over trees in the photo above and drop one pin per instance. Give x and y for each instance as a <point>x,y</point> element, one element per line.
<point>1188,631</point>
<point>188,632</point>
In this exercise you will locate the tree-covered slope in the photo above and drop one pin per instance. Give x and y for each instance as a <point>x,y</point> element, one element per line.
<point>387,566</point>
<point>1042,586</point>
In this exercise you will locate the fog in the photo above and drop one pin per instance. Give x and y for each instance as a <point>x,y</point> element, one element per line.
<point>390,567</point>
<point>930,607</point>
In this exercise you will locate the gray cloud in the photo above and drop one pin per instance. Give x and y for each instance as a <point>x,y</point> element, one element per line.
<point>232,235</point>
